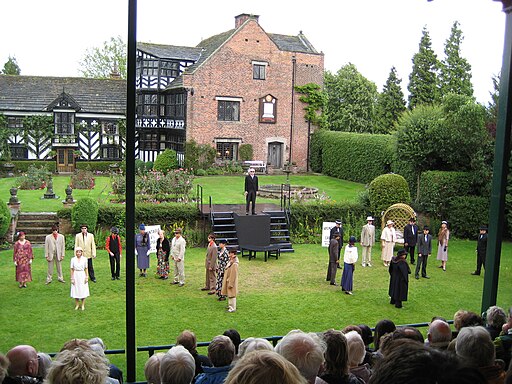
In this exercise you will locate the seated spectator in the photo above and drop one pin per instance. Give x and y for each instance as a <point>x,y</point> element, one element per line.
<point>263,366</point>
<point>356,354</point>
<point>439,335</point>
<point>349,328</point>
<point>152,368</point>
<point>408,361</point>
<point>75,343</point>
<point>45,361</point>
<point>252,344</point>
<point>461,319</point>
<point>508,324</point>
<point>177,366</point>
<point>23,365</point>
<point>235,338</point>
<point>382,327</point>
<point>336,359</point>
<point>221,352</point>
<point>114,372</point>
<point>4,364</point>
<point>475,349</point>
<point>189,341</point>
<point>503,344</point>
<point>78,365</point>
<point>366,334</point>
<point>303,350</point>
<point>99,350</point>
<point>495,318</point>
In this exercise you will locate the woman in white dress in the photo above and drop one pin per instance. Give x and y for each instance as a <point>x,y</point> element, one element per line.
<point>388,240</point>
<point>79,278</point>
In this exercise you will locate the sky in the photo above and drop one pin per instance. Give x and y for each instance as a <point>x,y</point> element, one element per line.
<point>49,38</point>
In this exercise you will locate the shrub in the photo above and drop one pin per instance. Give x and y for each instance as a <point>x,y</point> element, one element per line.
<point>143,167</point>
<point>245,152</point>
<point>437,187</point>
<point>5,219</point>
<point>386,190</point>
<point>35,178</point>
<point>85,211</point>
<point>198,156</point>
<point>466,214</point>
<point>166,161</point>
<point>82,179</point>
<point>97,167</point>
<point>21,166</point>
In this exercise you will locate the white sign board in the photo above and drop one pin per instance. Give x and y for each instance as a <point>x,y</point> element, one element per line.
<point>152,231</point>
<point>326,232</point>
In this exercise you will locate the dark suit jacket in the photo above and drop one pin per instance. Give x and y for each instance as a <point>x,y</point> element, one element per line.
<point>251,183</point>
<point>481,245</point>
<point>409,237</point>
<point>334,247</point>
<point>424,247</point>
<point>335,230</point>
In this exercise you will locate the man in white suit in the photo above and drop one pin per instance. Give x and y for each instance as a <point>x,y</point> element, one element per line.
<point>85,240</point>
<point>54,250</point>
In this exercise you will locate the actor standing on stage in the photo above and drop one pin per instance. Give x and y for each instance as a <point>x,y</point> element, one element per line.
<point>54,250</point>
<point>22,257</point>
<point>410,236</point>
<point>114,249</point>
<point>210,265</point>
<point>142,247</point>
<point>367,241</point>
<point>251,189</point>
<point>399,279</point>
<point>424,251</point>
<point>481,250</point>
<point>178,245</point>
<point>85,241</point>
<point>334,247</point>
<point>349,263</point>
<point>337,229</point>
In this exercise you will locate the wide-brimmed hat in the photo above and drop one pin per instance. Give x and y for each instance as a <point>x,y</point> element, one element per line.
<point>401,252</point>
<point>389,222</point>
<point>78,249</point>
<point>338,221</point>
<point>369,218</point>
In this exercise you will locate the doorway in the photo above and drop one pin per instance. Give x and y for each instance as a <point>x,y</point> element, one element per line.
<point>275,154</point>
<point>65,160</point>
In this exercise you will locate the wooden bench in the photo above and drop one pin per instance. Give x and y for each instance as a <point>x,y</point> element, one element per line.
<point>258,165</point>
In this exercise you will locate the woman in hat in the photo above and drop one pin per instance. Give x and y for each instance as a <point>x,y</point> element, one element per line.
<point>388,239</point>
<point>399,278</point>
<point>22,258</point>
<point>142,246</point>
<point>163,248</point>
<point>442,244</point>
<point>349,262</point>
<point>79,278</point>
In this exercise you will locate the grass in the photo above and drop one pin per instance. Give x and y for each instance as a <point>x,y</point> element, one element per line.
<point>274,298</point>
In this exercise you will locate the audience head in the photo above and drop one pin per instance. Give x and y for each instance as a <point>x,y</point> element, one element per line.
<point>75,343</point>
<point>4,364</point>
<point>263,366</point>
<point>439,334</point>
<point>366,334</point>
<point>382,327</point>
<point>188,340</point>
<point>221,351</point>
<point>45,361</point>
<point>23,361</point>
<point>400,333</point>
<point>78,366</point>
<point>475,347</point>
<point>356,350</point>
<point>235,338</point>
<point>349,328</point>
<point>336,353</point>
<point>152,368</point>
<point>97,341</point>
<point>496,317</point>
<point>463,318</point>
<point>304,351</point>
<point>252,344</point>
<point>177,366</point>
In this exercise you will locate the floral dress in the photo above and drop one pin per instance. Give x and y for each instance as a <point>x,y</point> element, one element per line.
<point>222,262</point>
<point>23,256</point>
<point>162,255</point>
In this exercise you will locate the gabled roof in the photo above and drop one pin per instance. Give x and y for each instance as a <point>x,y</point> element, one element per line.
<point>162,51</point>
<point>292,43</point>
<point>36,93</point>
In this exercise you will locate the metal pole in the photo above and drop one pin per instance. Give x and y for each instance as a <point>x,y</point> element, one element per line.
<point>309,143</point>
<point>131,346</point>
<point>500,170</point>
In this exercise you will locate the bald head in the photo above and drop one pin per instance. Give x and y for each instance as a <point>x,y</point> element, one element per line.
<point>439,333</point>
<point>23,361</point>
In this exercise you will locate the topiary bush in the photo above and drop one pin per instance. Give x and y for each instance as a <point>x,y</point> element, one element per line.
<point>466,214</point>
<point>166,161</point>
<point>386,190</point>
<point>5,219</point>
<point>245,152</point>
<point>85,211</point>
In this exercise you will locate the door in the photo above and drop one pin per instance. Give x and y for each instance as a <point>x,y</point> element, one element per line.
<point>275,154</point>
<point>65,160</point>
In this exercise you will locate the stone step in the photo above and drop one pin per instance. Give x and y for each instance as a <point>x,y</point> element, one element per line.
<point>38,216</point>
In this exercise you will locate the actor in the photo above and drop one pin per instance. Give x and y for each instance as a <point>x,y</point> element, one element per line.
<point>178,245</point>
<point>367,241</point>
<point>210,265</point>
<point>481,250</point>
<point>410,236</point>
<point>388,240</point>
<point>79,278</point>
<point>22,257</point>
<point>334,247</point>
<point>142,247</point>
<point>349,263</point>
<point>399,278</point>
<point>230,283</point>
<point>114,249</point>
<point>424,251</point>
<point>338,228</point>
<point>85,241</point>
<point>251,190</point>
<point>54,250</point>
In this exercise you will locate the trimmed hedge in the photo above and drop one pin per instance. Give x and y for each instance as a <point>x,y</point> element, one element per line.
<point>5,219</point>
<point>356,157</point>
<point>85,211</point>
<point>466,214</point>
<point>315,150</point>
<point>386,190</point>
<point>166,161</point>
<point>101,166</point>
<point>437,187</point>
<point>21,166</point>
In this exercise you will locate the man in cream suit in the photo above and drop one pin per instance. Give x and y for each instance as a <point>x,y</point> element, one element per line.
<point>85,241</point>
<point>367,241</point>
<point>178,245</point>
<point>54,249</point>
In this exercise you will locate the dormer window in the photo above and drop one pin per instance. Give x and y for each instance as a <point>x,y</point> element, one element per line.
<point>259,70</point>
<point>64,122</point>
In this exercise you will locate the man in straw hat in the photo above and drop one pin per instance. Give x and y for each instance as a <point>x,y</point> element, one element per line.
<point>367,241</point>
<point>388,240</point>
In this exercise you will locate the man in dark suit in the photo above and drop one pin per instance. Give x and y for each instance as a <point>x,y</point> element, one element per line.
<point>481,250</point>
<point>334,247</point>
<point>337,229</point>
<point>251,189</point>
<point>424,251</point>
<point>410,235</point>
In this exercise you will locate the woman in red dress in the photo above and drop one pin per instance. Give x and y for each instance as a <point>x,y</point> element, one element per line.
<point>23,257</point>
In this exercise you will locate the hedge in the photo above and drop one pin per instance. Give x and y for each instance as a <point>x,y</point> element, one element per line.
<point>21,166</point>
<point>437,187</point>
<point>466,214</point>
<point>386,190</point>
<point>101,166</point>
<point>315,150</point>
<point>357,157</point>
<point>84,212</point>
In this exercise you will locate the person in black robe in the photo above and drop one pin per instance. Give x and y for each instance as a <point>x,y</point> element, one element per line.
<point>399,278</point>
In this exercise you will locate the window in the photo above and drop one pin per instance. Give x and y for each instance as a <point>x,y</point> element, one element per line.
<point>64,122</point>
<point>109,128</point>
<point>258,71</point>
<point>169,68</point>
<point>148,141</point>
<point>111,152</point>
<point>227,151</point>
<point>19,152</point>
<point>15,122</point>
<point>268,109</point>
<point>228,110</point>
<point>173,105</point>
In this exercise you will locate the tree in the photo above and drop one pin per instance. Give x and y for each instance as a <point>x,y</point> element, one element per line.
<point>38,133</point>
<point>11,67</point>
<point>351,100</point>
<point>102,62</point>
<point>423,81</point>
<point>492,106</point>
<point>390,104</point>
<point>455,71</point>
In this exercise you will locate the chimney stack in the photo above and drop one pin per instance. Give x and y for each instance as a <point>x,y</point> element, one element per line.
<point>243,17</point>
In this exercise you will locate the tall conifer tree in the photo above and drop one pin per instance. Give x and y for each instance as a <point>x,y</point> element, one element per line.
<point>390,103</point>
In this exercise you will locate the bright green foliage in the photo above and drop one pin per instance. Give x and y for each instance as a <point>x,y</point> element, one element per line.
<point>11,67</point>
<point>390,104</point>
<point>85,211</point>
<point>355,156</point>
<point>351,100</point>
<point>245,152</point>
<point>5,219</point>
<point>455,71</point>
<point>386,190</point>
<point>423,81</point>
<point>5,152</point>
<point>466,214</point>
<point>198,156</point>
<point>166,161</point>
<point>100,63</point>
<point>316,100</point>
<point>38,133</point>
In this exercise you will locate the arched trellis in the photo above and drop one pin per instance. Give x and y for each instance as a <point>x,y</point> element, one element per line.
<point>400,214</point>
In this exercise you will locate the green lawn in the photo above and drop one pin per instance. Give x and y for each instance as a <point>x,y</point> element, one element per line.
<point>274,298</point>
